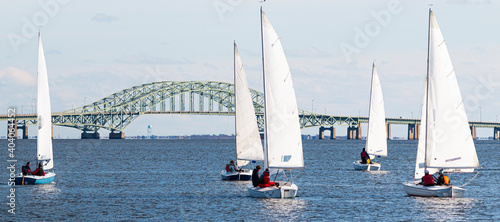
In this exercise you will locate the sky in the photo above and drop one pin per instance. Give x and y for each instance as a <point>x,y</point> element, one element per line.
<point>96,48</point>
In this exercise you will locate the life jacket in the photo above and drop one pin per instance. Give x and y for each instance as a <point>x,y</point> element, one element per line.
<point>446,179</point>
<point>428,180</point>
<point>227,168</point>
<point>267,181</point>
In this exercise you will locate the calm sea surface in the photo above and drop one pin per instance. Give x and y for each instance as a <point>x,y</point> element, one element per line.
<point>102,180</point>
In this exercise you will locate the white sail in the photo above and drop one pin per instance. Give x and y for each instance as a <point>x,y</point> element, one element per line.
<point>376,139</point>
<point>248,143</point>
<point>283,146</point>
<point>449,141</point>
<point>420,162</point>
<point>44,133</point>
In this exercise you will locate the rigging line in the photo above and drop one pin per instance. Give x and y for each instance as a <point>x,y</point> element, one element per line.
<point>472,178</point>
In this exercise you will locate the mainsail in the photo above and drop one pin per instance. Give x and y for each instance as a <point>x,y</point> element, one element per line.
<point>283,142</point>
<point>44,133</point>
<point>449,143</point>
<point>248,143</point>
<point>376,140</point>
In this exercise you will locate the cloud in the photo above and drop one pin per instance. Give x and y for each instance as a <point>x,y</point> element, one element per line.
<point>210,65</point>
<point>104,18</point>
<point>470,2</point>
<point>15,76</point>
<point>309,52</point>
<point>53,51</point>
<point>144,58</point>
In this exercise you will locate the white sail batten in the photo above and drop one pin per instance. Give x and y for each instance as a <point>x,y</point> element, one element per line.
<point>44,133</point>
<point>376,140</point>
<point>248,143</point>
<point>449,141</point>
<point>284,142</point>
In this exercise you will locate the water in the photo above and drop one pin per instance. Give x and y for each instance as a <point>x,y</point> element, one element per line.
<point>179,180</point>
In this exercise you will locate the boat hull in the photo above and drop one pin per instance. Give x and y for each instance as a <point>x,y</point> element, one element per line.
<point>412,188</point>
<point>367,167</point>
<point>236,176</point>
<point>287,190</point>
<point>35,180</point>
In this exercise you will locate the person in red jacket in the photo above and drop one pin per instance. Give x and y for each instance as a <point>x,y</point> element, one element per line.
<point>364,156</point>
<point>266,181</point>
<point>39,171</point>
<point>427,179</point>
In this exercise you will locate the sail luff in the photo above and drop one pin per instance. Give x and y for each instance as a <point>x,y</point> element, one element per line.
<point>266,143</point>
<point>376,141</point>
<point>44,116</point>
<point>248,143</point>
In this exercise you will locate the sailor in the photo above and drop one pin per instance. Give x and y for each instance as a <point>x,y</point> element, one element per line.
<point>255,176</point>
<point>364,156</point>
<point>266,181</point>
<point>26,170</point>
<point>427,179</point>
<point>39,171</point>
<point>233,167</point>
<point>442,179</point>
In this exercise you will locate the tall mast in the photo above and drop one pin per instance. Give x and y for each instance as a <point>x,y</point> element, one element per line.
<point>427,90</point>
<point>235,94</point>
<point>266,161</point>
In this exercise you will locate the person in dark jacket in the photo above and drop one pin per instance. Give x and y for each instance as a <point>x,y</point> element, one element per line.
<point>39,171</point>
<point>26,170</point>
<point>266,180</point>
<point>255,176</point>
<point>364,156</point>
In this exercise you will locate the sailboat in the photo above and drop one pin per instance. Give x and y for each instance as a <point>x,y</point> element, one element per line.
<point>445,139</point>
<point>376,140</point>
<point>248,142</point>
<point>44,126</point>
<point>282,137</point>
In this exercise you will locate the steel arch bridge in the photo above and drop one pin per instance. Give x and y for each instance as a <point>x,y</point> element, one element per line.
<point>116,111</point>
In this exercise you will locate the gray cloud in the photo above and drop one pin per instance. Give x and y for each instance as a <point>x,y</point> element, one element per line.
<point>150,59</point>
<point>309,52</point>
<point>104,18</point>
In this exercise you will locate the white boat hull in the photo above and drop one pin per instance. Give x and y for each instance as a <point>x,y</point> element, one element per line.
<point>367,167</point>
<point>246,175</point>
<point>288,190</point>
<point>412,188</point>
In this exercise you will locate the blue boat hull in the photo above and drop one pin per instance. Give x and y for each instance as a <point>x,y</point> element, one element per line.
<point>35,180</point>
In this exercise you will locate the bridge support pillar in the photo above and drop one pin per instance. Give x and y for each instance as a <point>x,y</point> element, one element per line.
<point>354,133</point>
<point>322,130</point>
<point>496,131</point>
<point>93,135</point>
<point>473,132</point>
<point>388,128</point>
<point>25,132</point>
<point>116,135</point>
<point>413,131</point>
